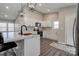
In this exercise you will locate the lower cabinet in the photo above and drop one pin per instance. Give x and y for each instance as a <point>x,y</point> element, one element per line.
<point>32,46</point>
<point>28,47</point>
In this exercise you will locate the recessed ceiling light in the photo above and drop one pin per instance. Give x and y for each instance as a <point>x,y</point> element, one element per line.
<point>6,15</point>
<point>6,7</point>
<point>40,4</point>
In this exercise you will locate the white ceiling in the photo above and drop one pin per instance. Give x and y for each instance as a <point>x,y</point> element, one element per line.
<point>51,7</point>
<point>14,8</point>
<point>9,13</point>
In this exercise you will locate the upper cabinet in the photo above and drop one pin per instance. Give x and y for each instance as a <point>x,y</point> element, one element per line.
<point>48,19</point>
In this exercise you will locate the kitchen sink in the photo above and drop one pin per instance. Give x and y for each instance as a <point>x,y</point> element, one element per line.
<point>25,34</point>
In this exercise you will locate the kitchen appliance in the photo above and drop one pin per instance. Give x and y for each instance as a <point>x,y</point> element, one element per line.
<point>38,28</point>
<point>77,32</point>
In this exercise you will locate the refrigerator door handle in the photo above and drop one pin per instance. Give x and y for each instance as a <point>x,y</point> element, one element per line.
<point>74,29</point>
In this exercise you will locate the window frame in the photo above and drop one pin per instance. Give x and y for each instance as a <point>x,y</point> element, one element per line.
<point>7,28</point>
<point>56,24</point>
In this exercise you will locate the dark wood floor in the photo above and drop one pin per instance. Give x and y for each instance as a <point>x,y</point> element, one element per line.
<point>45,45</point>
<point>47,50</point>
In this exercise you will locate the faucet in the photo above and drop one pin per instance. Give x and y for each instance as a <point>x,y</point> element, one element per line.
<point>22,28</point>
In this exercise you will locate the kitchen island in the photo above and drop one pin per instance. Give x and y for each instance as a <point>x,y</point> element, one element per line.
<point>27,45</point>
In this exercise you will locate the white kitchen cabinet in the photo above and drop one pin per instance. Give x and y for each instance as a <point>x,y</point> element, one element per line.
<point>32,46</point>
<point>50,34</point>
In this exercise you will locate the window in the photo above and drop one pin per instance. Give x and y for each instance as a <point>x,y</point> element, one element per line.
<point>10,27</point>
<point>3,27</point>
<point>10,30</point>
<point>7,29</point>
<point>56,24</point>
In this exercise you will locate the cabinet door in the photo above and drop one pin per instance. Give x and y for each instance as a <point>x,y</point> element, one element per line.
<point>51,34</point>
<point>32,46</point>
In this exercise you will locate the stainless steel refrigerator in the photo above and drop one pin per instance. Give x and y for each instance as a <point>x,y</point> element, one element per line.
<point>76,33</point>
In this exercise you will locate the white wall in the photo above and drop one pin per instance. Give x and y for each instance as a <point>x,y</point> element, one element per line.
<point>49,18</point>
<point>31,17</point>
<point>64,12</point>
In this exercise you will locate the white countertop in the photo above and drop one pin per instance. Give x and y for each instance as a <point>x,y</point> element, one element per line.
<point>19,37</point>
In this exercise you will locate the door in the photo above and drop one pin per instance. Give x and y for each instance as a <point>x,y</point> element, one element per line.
<point>69,20</point>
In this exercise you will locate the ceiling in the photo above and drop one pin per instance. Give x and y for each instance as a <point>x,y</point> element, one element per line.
<point>51,7</point>
<point>9,11</point>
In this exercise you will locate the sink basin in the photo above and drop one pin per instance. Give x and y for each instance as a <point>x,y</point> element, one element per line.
<point>26,34</point>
